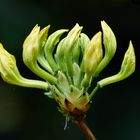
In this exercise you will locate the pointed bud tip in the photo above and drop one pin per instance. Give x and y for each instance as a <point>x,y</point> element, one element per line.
<point>131,45</point>
<point>3,51</point>
<point>103,23</point>
<point>131,49</point>
<point>36,26</point>
<point>99,33</point>
<point>35,29</point>
<point>77,26</point>
<point>96,37</point>
<point>46,28</point>
<point>105,26</point>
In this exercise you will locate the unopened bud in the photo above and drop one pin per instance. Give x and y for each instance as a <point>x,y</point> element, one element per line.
<point>110,45</point>
<point>127,68</point>
<point>92,57</point>
<point>30,54</point>
<point>69,43</point>
<point>50,46</point>
<point>10,73</point>
<point>43,34</point>
<point>93,54</point>
<point>30,47</point>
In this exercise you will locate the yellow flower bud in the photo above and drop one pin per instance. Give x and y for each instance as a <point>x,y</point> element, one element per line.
<point>127,68</point>
<point>110,45</point>
<point>93,54</point>
<point>30,53</point>
<point>92,57</point>
<point>30,47</point>
<point>10,74</point>
<point>8,69</point>
<point>68,66</point>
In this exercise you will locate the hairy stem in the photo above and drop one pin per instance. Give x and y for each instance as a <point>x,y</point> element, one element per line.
<point>85,129</point>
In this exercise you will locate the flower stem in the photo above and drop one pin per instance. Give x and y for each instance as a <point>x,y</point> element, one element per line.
<point>94,91</point>
<point>85,129</point>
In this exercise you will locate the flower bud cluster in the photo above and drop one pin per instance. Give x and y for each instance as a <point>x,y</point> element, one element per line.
<point>67,65</point>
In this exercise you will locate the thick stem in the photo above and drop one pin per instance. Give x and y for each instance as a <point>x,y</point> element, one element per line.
<point>85,129</point>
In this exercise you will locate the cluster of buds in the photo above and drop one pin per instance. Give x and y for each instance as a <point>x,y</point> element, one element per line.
<point>67,65</point>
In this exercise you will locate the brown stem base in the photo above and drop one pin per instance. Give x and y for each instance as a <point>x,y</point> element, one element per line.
<point>85,129</point>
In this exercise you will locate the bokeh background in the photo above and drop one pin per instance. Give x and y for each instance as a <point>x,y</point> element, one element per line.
<point>26,114</point>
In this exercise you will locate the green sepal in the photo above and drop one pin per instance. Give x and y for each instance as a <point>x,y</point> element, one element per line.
<point>82,101</point>
<point>74,94</point>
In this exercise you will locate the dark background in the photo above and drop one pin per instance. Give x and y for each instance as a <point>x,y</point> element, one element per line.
<point>26,114</point>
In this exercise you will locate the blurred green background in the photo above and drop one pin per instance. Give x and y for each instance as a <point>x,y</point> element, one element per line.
<point>26,114</point>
